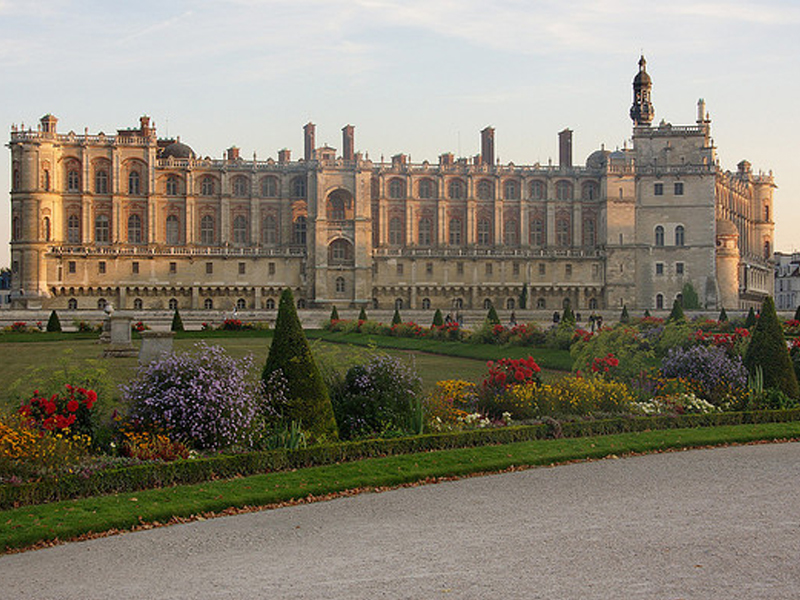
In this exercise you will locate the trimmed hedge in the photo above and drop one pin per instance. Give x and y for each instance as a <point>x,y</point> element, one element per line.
<point>154,475</point>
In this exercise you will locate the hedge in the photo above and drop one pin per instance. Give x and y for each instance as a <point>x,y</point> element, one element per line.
<point>153,475</point>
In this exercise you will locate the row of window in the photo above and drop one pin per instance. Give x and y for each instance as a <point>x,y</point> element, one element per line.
<point>484,190</point>
<point>677,189</point>
<point>680,235</point>
<point>679,269</point>
<point>489,269</point>
<point>138,304</point>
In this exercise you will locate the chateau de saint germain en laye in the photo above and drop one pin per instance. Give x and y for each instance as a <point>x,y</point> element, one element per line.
<point>144,223</point>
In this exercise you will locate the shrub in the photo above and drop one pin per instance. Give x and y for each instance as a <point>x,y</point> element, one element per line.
<point>438,320</point>
<point>334,314</point>
<point>26,451</point>
<point>53,323</point>
<point>206,398</point>
<point>396,320</point>
<point>449,402</point>
<point>449,332</point>
<point>677,313</point>
<point>503,375</point>
<point>569,396</point>
<point>376,398</point>
<point>723,316</point>
<point>750,321</point>
<point>797,313</point>
<point>362,314</point>
<point>307,401</point>
<point>768,350</point>
<point>523,297</point>
<point>720,378</point>
<point>146,445</point>
<point>177,322</point>
<point>492,317</point>
<point>689,295</point>
<point>69,413</point>
<point>632,349</point>
<point>625,317</point>
<point>568,317</point>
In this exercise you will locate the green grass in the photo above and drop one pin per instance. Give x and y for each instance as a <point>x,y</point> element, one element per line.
<point>66,520</point>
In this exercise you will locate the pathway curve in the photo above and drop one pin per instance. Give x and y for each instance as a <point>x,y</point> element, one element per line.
<point>703,524</point>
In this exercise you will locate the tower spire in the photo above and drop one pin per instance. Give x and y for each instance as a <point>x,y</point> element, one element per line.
<point>642,111</point>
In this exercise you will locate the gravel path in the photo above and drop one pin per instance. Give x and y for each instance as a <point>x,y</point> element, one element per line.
<point>705,524</point>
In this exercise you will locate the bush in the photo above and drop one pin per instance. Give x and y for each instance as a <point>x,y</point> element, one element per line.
<point>750,321</point>
<point>720,378</point>
<point>689,295</point>
<point>677,313</point>
<point>307,402</point>
<point>396,320</point>
<point>53,323</point>
<point>523,297</point>
<point>177,322</point>
<point>632,349</point>
<point>448,403</point>
<point>206,399</point>
<point>768,350</point>
<point>376,399</point>
<point>797,313</point>
<point>569,396</point>
<point>492,317</point>
<point>362,314</point>
<point>438,320</point>
<point>723,316</point>
<point>504,375</point>
<point>69,413</point>
<point>625,317</point>
<point>334,314</point>
<point>568,317</point>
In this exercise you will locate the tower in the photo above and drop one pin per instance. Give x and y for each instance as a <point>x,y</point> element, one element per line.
<point>308,137</point>
<point>642,111</point>
<point>487,146</point>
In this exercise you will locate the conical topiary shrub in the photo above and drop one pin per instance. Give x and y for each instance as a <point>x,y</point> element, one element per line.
<point>362,314</point>
<point>767,349</point>
<point>523,297</point>
<point>177,322</point>
<point>492,317</point>
<point>797,313</point>
<point>625,317</point>
<point>306,399</point>
<point>53,323</point>
<point>334,314</point>
<point>438,320</point>
<point>568,316</point>
<point>750,321</point>
<point>646,314</point>
<point>677,312</point>
<point>396,320</point>
<point>723,316</point>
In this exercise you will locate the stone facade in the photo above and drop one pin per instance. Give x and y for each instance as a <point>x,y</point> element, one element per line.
<point>787,281</point>
<point>146,224</point>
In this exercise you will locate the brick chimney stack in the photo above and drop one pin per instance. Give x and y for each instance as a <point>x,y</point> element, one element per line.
<point>487,146</point>
<point>284,156</point>
<point>233,153</point>
<point>309,130</point>
<point>565,149</point>
<point>348,142</point>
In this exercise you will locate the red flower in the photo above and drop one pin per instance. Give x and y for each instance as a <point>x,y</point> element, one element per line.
<point>72,406</point>
<point>91,398</point>
<point>50,408</point>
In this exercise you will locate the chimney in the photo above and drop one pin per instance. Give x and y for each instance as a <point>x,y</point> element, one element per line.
<point>487,146</point>
<point>446,159</point>
<point>309,130</point>
<point>144,126</point>
<point>565,149</point>
<point>399,161</point>
<point>233,153</point>
<point>284,156</point>
<point>48,123</point>
<point>348,142</point>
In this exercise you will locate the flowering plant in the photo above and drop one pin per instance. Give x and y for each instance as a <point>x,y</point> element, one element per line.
<point>604,364</point>
<point>509,371</point>
<point>139,327</point>
<point>69,413</point>
<point>719,377</point>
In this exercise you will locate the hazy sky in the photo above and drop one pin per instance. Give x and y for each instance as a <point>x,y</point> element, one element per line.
<point>416,76</point>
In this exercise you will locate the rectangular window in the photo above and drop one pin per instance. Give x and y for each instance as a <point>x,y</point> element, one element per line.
<point>679,188</point>
<point>399,268</point>
<point>135,268</point>
<point>101,267</point>
<point>542,269</point>
<point>568,271</point>
<point>271,268</point>
<point>429,268</point>
<point>241,268</point>
<point>679,268</point>
<point>515,269</point>
<point>173,268</point>
<point>71,266</point>
<point>460,268</point>
<point>488,268</point>
<point>658,189</point>
<point>659,268</point>
<point>15,267</point>
<point>209,268</point>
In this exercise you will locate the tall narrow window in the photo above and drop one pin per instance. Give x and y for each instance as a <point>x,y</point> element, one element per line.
<point>134,183</point>
<point>241,187</point>
<point>589,232</point>
<point>456,189</point>
<point>564,190</point>
<point>173,231</point>
<point>340,285</point>
<point>537,232</point>
<point>269,187</point>
<point>73,181</point>
<point>269,231</point>
<point>537,188</point>
<point>425,232</point>
<point>240,230</point>
<point>134,229</point>
<point>590,191</point>
<point>427,188</point>
<point>562,231</point>
<point>659,235</point>
<point>73,229</point>
<point>485,190</point>
<point>484,232</point>
<point>172,185</point>
<point>207,230</point>
<point>101,182</point>
<point>510,233</point>
<point>680,236</point>
<point>300,226</point>
<point>679,188</point>
<point>46,180</point>
<point>395,231</point>
<point>455,232</point>
<point>397,188</point>
<point>102,229</point>
<point>207,186</point>
<point>511,190</point>
<point>46,229</point>
<point>299,187</point>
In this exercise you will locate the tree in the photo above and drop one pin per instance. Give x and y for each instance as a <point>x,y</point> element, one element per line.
<point>677,312</point>
<point>568,316</point>
<point>767,349</point>
<point>689,295</point>
<point>723,316</point>
<point>306,399</point>
<point>492,317</point>
<point>750,321</point>
<point>177,323</point>
<point>334,314</point>
<point>523,297</point>
<point>624,317</point>
<point>53,323</point>
<point>646,314</point>
<point>438,320</point>
<point>362,314</point>
<point>396,320</point>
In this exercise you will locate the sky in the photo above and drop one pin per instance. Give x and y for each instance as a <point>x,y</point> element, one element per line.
<point>421,77</point>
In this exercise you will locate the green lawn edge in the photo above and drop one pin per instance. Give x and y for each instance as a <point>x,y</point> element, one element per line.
<point>60,521</point>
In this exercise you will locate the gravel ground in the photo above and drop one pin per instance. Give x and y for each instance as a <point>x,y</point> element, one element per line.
<point>705,524</point>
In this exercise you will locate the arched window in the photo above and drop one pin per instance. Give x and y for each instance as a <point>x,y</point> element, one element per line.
<point>16,179</point>
<point>541,303</point>
<point>137,304</point>
<point>102,229</point>
<point>660,301</point>
<point>73,229</point>
<point>134,229</point>
<point>72,304</point>
<point>562,230</point>
<point>458,304</point>
<point>589,231</point>
<point>425,231</point>
<point>427,189</point>
<point>301,303</point>
<point>766,212</point>
<point>565,303</point>
<point>563,190</point>
<point>173,231</point>
<point>172,185</point>
<point>207,230</point>
<point>207,186</point>
<point>340,252</point>
<point>102,303</point>
<point>592,303</point>
<point>396,231</point>
<point>398,303</point>
<point>511,190</point>
<point>537,189</point>
<point>336,210</point>
<point>340,285</point>
<point>16,229</point>
<point>299,237</point>
<point>270,304</point>
<point>101,182</point>
<point>680,235</point>
<point>241,304</point>
<point>134,183</point>
<point>487,304</point>
<point>46,229</point>
<point>510,304</point>
<point>269,231</point>
<point>73,181</point>
<point>375,304</point>
<point>659,235</point>
<point>240,230</point>
<point>485,189</point>
<point>269,187</point>
<point>510,233</point>
<point>46,180</point>
<point>537,232</point>
<point>456,189</point>
<point>484,232</point>
<point>173,304</point>
<point>241,187</point>
<point>397,188</point>
<point>590,191</point>
<point>426,304</point>
<point>455,232</point>
<point>767,250</point>
<point>208,304</point>
<point>299,187</point>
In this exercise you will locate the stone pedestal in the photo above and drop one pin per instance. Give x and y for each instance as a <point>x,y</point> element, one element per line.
<point>120,344</point>
<point>155,344</point>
